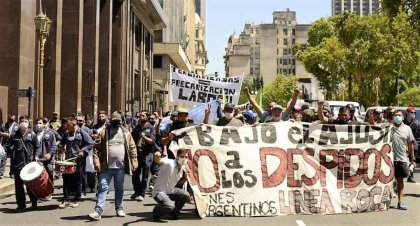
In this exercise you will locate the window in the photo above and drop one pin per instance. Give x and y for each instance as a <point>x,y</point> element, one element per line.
<point>157,61</point>
<point>293,31</point>
<point>294,71</point>
<point>285,42</point>
<point>197,33</point>
<point>285,62</point>
<point>277,31</point>
<point>290,61</point>
<point>290,51</point>
<point>284,31</point>
<point>252,71</point>
<point>293,41</point>
<point>257,31</point>
<point>290,22</point>
<point>293,62</point>
<point>252,31</point>
<point>277,51</point>
<point>285,51</point>
<point>277,41</point>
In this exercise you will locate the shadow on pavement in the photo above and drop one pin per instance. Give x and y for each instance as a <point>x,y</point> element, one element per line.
<point>413,195</point>
<point>84,218</point>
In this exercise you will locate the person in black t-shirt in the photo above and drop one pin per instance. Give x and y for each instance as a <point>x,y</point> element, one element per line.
<point>342,119</point>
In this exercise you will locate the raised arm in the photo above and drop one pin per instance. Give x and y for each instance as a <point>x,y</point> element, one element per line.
<point>254,104</point>
<point>321,116</point>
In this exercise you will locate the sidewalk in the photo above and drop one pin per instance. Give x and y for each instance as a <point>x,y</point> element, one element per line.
<point>7,183</point>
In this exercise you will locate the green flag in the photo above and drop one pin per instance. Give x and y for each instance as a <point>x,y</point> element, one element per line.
<point>259,97</point>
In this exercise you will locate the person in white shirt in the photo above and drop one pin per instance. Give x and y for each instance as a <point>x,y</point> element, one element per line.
<point>169,198</point>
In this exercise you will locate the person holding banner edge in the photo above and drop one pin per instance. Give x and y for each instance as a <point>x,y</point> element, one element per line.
<point>402,141</point>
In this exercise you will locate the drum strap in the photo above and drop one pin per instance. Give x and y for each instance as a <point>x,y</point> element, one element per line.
<point>28,154</point>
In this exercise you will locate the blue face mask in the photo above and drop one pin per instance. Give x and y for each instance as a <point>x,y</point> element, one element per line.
<point>398,119</point>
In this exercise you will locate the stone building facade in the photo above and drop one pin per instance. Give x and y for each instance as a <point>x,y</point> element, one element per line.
<point>98,56</point>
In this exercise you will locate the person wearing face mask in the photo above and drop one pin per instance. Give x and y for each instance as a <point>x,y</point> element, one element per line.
<point>114,156</point>
<point>170,198</point>
<point>24,146</point>
<point>55,121</point>
<point>6,131</point>
<point>144,138</point>
<point>402,143</point>
<point>80,118</point>
<point>47,142</point>
<point>342,119</point>
<point>411,121</point>
<point>76,143</point>
<point>227,119</point>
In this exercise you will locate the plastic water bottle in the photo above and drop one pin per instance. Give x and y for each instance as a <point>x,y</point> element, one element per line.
<point>411,167</point>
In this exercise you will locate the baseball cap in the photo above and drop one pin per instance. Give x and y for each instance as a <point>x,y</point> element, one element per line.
<point>116,116</point>
<point>411,109</point>
<point>278,107</point>
<point>182,110</point>
<point>249,115</point>
<point>229,106</point>
<point>174,113</point>
<point>351,107</point>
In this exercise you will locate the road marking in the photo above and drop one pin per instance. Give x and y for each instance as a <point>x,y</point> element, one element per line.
<point>300,223</point>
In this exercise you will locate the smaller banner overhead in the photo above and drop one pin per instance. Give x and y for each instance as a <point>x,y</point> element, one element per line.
<point>192,88</point>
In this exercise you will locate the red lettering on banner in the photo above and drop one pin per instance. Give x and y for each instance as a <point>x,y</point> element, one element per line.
<point>291,167</point>
<point>377,168</point>
<point>212,156</point>
<point>384,153</point>
<point>356,179</point>
<point>324,165</point>
<point>306,180</point>
<point>279,174</point>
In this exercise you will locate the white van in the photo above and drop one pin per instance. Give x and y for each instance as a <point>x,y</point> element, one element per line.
<point>336,105</point>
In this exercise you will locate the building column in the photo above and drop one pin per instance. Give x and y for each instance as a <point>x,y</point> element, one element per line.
<point>105,53</point>
<point>71,75</point>
<point>90,45</point>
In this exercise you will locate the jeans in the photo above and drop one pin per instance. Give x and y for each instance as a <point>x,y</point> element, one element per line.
<point>3,165</point>
<point>171,203</point>
<point>103,188</point>
<point>145,162</point>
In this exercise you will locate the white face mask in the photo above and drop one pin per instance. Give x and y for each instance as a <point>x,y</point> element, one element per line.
<point>410,116</point>
<point>38,128</point>
<point>23,125</point>
<point>228,115</point>
<point>182,162</point>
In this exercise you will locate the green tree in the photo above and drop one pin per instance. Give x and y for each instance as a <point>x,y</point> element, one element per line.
<point>280,90</point>
<point>392,8</point>
<point>410,97</point>
<point>355,50</point>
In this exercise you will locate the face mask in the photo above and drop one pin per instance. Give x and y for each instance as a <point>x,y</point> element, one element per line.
<point>115,123</point>
<point>228,115</point>
<point>23,125</point>
<point>410,116</point>
<point>38,128</point>
<point>182,162</point>
<point>398,119</point>
<point>152,122</point>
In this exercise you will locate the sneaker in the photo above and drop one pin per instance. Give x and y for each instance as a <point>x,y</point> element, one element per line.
<point>174,216</point>
<point>401,206</point>
<point>75,204</point>
<point>95,216</point>
<point>120,213</point>
<point>83,195</point>
<point>151,187</point>
<point>20,209</point>
<point>48,198</point>
<point>133,196</point>
<point>411,180</point>
<point>1,176</point>
<point>64,205</point>
<point>139,198</point>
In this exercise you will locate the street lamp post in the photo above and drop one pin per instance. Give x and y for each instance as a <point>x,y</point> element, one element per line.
<point>377,82</point>
<point>42,24</point>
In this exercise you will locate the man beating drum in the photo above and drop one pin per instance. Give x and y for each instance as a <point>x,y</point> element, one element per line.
<point>47,142</point>
<point>77,145</point>
<point>23,146</point>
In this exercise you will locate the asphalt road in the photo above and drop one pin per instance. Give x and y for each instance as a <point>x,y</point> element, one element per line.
<point>139,213</point>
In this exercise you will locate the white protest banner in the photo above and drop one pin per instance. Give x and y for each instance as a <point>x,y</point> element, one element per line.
<point>290,168</point>
<point>191,88</point>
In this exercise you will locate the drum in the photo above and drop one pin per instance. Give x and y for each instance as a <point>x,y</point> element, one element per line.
<point>65,167</point>
<point>36,179</point>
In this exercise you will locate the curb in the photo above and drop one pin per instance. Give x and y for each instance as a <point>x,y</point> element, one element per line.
<point>6,189</point>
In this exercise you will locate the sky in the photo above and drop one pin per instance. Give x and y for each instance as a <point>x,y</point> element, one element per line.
<point>226,16</point>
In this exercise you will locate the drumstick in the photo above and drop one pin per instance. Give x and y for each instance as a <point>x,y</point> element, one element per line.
<point>67,160</point>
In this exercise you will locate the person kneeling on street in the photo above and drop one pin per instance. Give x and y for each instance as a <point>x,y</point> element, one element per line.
<point>169,198</point>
